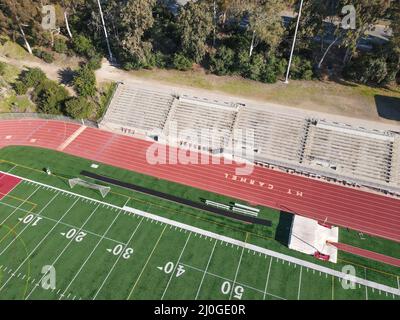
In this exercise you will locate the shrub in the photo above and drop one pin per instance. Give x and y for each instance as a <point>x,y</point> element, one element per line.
<point>182,63</point>
<point>50,97</point>
<point>95,62</point>
<point>85,82</point>
<point>250,67</point>
<point>243,63</point>
<point>44,55</point>
<point>60,46</point>
<point>157,59</point>
<point>33,77</point>
<point>83,46</point>
<point>2,68</point>
<point>78,108</point>
<point>221,63</point>
<point>20,88</point>
<point>301,69</point>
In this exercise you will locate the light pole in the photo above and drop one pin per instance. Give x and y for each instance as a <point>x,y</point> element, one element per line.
<point>105,32</point>
<point>294,42</point>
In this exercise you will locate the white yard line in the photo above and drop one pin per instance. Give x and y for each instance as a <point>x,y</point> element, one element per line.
<point>266,282</point>
<point>27,225</point>
<point>232,241</point>
<point>117,260</point>
<point>298,291</point>
<point>205,271</point>
<point>147,261</point>
<point>24,201</point>
<point>230,280</point>
<point>366,288</point>
<point>37,246</point>
<point>62,252</point>
<point>236,274</point>
<point>91,253</point>
<point>175,266</point>
<point>62,223</point>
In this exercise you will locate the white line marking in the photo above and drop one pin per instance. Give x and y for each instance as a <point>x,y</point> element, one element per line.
<point>236,274</point>
<point>71,138</point>
<point>27,226</point>
<point>266,283</point>
<point>298,291</point>
<point>37,246</point>
<point>62,223</point>
<point>176,265</point>
<point>65,248</point>
<point>230,280</point>
<point>119,257</point>
<point>19,206</point>
<point>91,253</point>
<point>205,271</point>
<point>225,239</point>
<point>147,261</point>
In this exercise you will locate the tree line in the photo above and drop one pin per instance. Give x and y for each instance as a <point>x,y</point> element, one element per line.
<point>226,37</point>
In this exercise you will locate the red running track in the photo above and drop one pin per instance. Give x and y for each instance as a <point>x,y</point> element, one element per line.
<point>367,254</point>
<point>367,212</point>
<point>7,184</point>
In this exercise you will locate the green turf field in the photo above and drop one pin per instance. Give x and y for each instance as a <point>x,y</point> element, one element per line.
<point>102,252</point>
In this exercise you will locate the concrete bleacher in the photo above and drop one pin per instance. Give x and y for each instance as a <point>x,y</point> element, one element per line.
<point>137,110</point>
<point>292,141</point>
<point>350,152</point>
<point>276,136</point>
<point>200,123</point>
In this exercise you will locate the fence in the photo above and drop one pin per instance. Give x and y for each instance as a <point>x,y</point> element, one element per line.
<point>16,116</point>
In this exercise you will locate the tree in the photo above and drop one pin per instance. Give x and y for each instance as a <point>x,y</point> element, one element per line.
<point>195,24</point>
<point>266,23</point>
<point>368,13</point>
<point>50,97</point>
<point>136,17</point>
<point>17,15</point>
<point>370,68</point>
<point>85,82</point>
<point>78,108</point>
<point>394,53</point>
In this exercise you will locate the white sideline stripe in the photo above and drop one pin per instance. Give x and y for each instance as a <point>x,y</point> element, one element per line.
<point>242,244</point>
<point>268,252</point>
<point>71,138</point>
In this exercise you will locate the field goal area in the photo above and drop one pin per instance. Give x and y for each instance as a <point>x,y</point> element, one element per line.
<point>91,185</point>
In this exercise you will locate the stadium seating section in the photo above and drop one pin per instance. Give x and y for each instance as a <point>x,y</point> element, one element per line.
<point>296,143</point>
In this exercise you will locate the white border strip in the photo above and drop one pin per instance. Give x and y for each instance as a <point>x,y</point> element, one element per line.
<point>232,241</point>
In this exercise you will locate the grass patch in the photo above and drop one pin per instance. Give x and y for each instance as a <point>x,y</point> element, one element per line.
<point>106,91</point>
<point>22,103</point>
<point>13,50</point>
<point>11,73</point>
